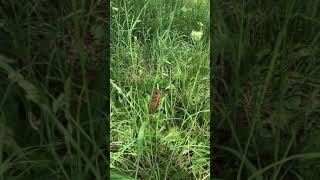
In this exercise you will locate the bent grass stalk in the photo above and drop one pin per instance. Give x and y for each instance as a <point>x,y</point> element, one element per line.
<point>265,86</point>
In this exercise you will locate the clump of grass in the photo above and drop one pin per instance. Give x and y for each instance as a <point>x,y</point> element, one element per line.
<point>151,51</point>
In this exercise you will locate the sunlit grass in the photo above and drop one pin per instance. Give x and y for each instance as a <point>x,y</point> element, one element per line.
<point>173,143</point>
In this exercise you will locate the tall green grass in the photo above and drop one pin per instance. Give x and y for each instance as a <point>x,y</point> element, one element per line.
<point>267,99</point>
<point>52,81</point>
<point>152,48</point>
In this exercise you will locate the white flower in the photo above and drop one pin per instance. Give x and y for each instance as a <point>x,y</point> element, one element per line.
<point>196,35</point>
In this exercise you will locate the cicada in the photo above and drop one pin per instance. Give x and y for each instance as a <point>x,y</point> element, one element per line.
<point>155,101</point>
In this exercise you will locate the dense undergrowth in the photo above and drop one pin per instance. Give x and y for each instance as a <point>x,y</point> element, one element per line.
<point>153,47</point>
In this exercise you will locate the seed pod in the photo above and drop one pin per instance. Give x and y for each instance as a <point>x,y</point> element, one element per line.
<point>155,101</point>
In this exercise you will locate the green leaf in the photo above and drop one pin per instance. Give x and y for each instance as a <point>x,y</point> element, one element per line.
<point>119,176</point>
<point>6,60</point>
<point>140,139</point>
<point>32,92</point>
<point>301,53</point>
<point>58,103</point>
<point>4,64</point>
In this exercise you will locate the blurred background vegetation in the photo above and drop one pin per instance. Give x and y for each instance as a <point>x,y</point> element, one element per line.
<point>53,89</point>
<point>266,89</point>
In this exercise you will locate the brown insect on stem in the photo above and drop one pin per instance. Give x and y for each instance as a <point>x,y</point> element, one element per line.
<point>155,101</point>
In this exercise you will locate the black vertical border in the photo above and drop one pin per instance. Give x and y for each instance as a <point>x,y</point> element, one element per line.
<point>211,90</point>
<point>108,41</point>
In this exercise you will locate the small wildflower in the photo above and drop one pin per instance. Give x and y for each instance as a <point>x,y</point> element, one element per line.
<point>196,35</point>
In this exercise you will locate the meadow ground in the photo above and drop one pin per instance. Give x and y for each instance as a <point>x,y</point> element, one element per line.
<point>160,45</point>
